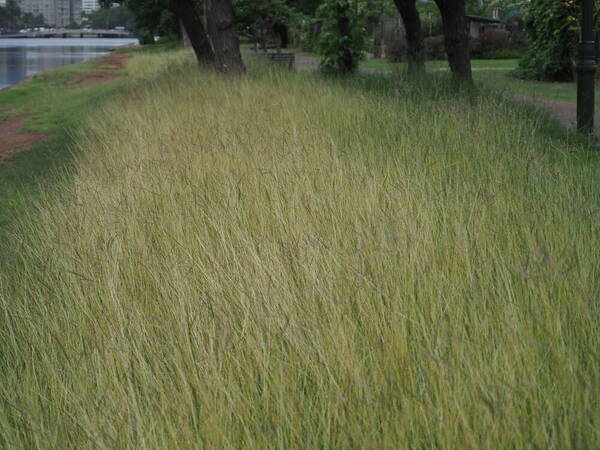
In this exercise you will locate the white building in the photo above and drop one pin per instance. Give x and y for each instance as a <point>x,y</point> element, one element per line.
<point>57,13</point>
<point>88,6</point>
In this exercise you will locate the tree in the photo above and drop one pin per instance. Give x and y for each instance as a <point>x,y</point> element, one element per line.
<point>552,30</point>
<point>341,41</point>
<point>414,35</point>
<point>223,36</point>
<point>10,16</point>
<point>151,18</point>
<point>210,27</point>
<point>431,20</point>
<point>456,38</point>
<point>306,7</point>
<point>119,16</point>
<point>189,14</point>
<point>257,19</point>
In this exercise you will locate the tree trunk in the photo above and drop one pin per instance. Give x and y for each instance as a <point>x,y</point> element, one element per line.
<point>378,39</point>
<point>456,38</point>
<point>414,35</point>
<point>282,33</point>
<point>184,36</point>
<point>344,28</point>
<point>263,43</point>
<point>188,12</point>
<point>224,37</point>
<point>263,40</point>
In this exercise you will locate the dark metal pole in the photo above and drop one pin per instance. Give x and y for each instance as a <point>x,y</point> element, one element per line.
<point>586,70</point>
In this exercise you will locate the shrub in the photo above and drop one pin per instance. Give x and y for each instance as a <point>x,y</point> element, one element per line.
<point>396,50</point>
<point>550,27</point>
<point>434,47</point>
<point>502,54</point>
<point>168,26</point>
<point>145,37</point>
<point>492,40</point>
<point>499,44</point>
<point>341,49</point>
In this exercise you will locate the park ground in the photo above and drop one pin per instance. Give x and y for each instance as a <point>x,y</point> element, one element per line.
<point>289,260</point>
<point>556,99</point>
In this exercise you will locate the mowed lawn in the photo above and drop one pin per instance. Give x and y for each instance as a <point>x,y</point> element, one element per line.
<point>283,260</point>
<point>496,74</point>
<point>477,64</point>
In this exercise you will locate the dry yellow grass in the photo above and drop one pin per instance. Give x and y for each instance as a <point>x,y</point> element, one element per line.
<point>281,261</point>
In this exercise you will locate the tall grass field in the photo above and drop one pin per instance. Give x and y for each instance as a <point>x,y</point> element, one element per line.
<point>282,260</point>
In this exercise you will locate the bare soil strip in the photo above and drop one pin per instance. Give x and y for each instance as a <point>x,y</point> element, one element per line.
<point>112,62</point>
<point>88,79</point>
<point>12,139</point>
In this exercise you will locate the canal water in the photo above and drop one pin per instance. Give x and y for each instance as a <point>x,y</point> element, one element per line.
<point>21,58</point>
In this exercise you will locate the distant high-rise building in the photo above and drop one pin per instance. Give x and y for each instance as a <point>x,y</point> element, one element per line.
<point>57,13</point>
<point>88,6</point>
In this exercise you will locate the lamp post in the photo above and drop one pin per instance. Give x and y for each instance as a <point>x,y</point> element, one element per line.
<point>586,70</point>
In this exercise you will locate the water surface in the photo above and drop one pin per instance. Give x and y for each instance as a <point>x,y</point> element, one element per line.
<point>21,58</point>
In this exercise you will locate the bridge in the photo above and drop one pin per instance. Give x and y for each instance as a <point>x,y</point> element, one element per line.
<point>65,33</point>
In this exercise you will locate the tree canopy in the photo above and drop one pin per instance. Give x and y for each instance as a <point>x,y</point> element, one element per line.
<point>553,30</point>
<point>256,19</point>
<point>118,16</point>
<point>151,17</point>
<point>12,18</point>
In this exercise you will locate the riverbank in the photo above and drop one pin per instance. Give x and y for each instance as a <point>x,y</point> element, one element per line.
<point>294,261</point>
<point>20,83</point>
<point>38,117</point>
<point>22,58</point>
<point>15,138</point>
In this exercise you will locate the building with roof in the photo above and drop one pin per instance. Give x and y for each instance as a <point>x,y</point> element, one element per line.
<point>477,25</point>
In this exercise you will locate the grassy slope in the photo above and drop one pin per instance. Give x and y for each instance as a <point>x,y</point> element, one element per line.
<point>285,261</point>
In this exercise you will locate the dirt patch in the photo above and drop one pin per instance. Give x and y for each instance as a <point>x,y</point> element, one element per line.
<point>12,139</point>
<point>45,78</point>
<point>88,79</point>
<point>113,61</point>
<point>106,70</point>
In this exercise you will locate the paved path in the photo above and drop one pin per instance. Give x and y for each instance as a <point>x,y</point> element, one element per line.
<point>305,63</point>
<point>564,112</point>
